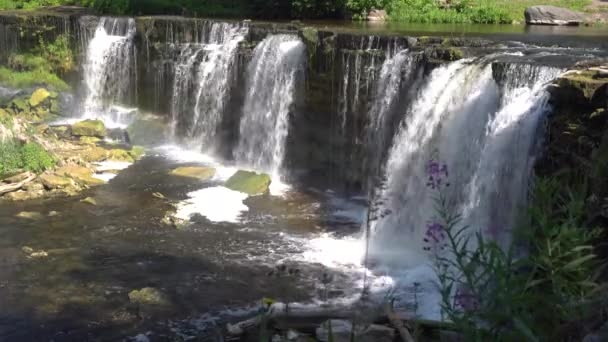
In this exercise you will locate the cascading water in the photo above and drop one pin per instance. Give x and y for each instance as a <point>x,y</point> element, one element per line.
<point>110,70</point>
<point>484,131</point>
<point>202,83</point>
<point>273,79</point>
<point>398,72</point>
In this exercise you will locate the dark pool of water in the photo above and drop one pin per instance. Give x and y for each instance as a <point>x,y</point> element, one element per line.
<point>98,254</point>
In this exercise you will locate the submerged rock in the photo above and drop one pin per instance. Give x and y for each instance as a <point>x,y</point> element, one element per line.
<point>39,96</point>
<point>89,128</point>
<point>551,15</point>
<point>148,296</point>
<point>198,172</point>
<point>30,215</point>
<point>249,182</point>
<point>89,200</point>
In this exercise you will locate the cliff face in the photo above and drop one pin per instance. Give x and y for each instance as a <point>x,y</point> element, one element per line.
<point>328,137</point>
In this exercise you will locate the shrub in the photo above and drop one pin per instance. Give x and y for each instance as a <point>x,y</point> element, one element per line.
<point>10,157</point>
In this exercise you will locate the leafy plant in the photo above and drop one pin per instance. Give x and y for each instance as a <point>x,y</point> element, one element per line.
<point>492,295</point>
<point>31,157</point>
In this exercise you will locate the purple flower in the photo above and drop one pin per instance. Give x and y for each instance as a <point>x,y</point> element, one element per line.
<point>465,300</point>
<point>434,237</point>
<point>436,172</point>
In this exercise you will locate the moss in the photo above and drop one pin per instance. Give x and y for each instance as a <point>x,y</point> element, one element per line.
<point>89,128</point>
<point>249,182</point>
<point>31,157</point>
<point>120,155</point>
<point>137,152</point>
<point>39,96</point>
<point>27,79</point>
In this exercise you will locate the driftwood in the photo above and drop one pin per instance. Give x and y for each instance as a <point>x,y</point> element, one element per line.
<point>5,189</point>
<point>398,324</point>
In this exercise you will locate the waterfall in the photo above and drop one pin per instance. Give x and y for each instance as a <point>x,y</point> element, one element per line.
<point>272,82</point>
<point>485,131</point>
<point>110,70</point>
<point>395,80</point>
<point>202,83</point>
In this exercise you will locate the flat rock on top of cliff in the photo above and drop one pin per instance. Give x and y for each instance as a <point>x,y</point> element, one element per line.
<point>552,15</point>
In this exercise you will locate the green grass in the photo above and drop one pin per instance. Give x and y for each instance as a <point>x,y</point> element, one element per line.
<point>471,11</point>
<point>27,79</point>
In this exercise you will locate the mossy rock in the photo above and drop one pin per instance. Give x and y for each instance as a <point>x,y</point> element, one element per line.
<point>39,96</point>
<point>120,155</point>
<point>197,172</point>
<point>53,181</point>
<point>148,296</point>
<point>137,152</point>
<point>80,174</point>
<point>89,128</point>
<point>89,140</point>
<point>250,183</point>
<point>93,154</point>
<point>20,105</point>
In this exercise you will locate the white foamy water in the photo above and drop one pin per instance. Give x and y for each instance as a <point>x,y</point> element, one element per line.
<point>218,204</point>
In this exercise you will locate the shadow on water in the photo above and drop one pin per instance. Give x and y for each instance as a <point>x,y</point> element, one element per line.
<point>98,254</point>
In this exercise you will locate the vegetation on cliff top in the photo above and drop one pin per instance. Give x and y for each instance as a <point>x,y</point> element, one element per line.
<point>44,65</point>
<point>425,11</point>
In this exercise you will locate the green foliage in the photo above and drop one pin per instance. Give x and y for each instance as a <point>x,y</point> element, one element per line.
<point>461,11</point>
<point>493,296</point>
<point>31,157</point>
<point>33,78</point>
<point>42,66</point>
<point>35,158</point>
<point>10,157</point>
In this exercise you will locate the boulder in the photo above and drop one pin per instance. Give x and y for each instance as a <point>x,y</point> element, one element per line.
<point>80,174</point>
<point>19,105</point>
<point>342,331</point>
<point>551,15</point>
<point>89,128</point>
<point>249,182</point>
<point>147,296</point>
<point>53,181</point>
<point>26,195</point>
<point>93,154</point>
<point>198,172</point>
<point>120,155</point>
<point>39,96</point>
<point>377,15</point>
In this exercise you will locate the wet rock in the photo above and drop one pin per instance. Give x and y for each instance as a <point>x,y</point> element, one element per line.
<point>158,195</point>
<point>551,15</point>
<point>19,105</point>
<point>137,152</point>
<point>147,131</point>
<point>53,214</point>
<point>248,182</point>
<point>148,296</point>
<point>89,128</point>
<point>197,172</point>
<point>172,221</point>
<point>18,196</point>
<point>53,181</point>
<point>89,200</point>
<point>80,174</point>
<point>120,155</point>
<point>89,140</point>
<point>377,15</point>
<point>92,154</point>
<point>30,215</point>
<point>63,131</point>
<point>39,96</point>
<point>342,331</point>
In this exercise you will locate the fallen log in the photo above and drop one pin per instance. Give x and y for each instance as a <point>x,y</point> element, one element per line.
<point>5,189</point>
<point>398,324</point>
